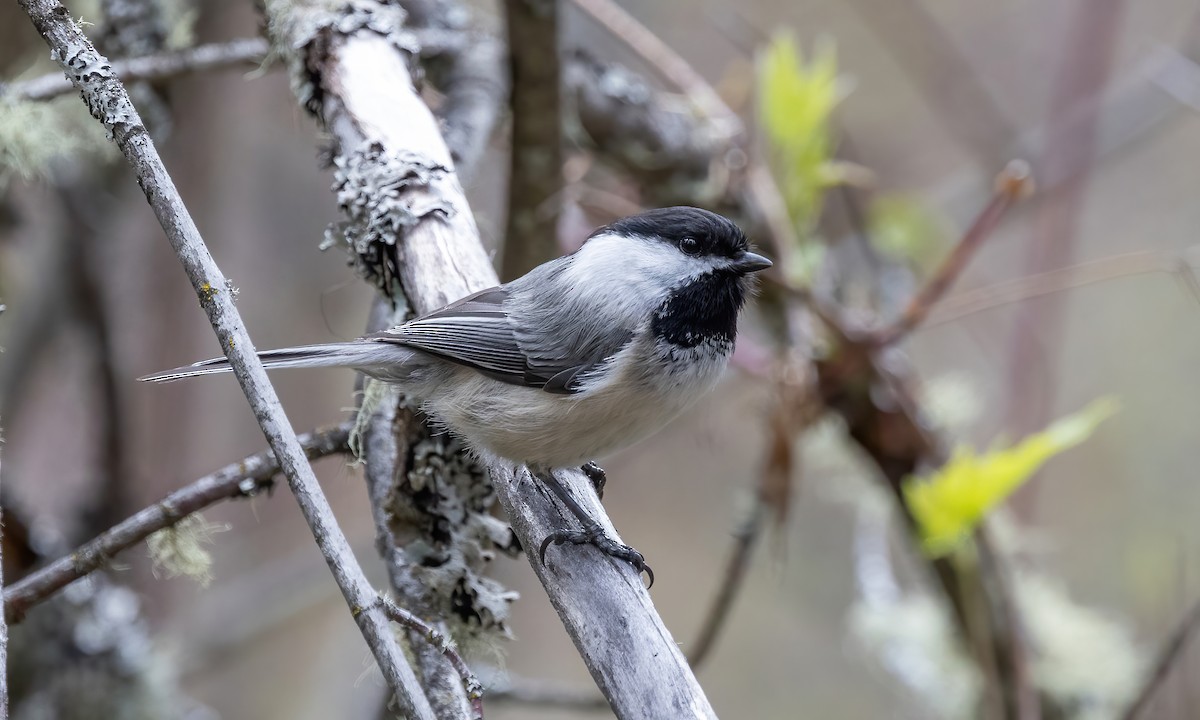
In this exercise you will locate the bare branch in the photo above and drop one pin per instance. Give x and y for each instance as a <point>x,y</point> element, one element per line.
<point>666,61</point>
<point>248,51</point>
<point>243,479</point>
<point>476,87</point>
<point>1168,657</point>
<point>1012,184</point>
<point>536,160</point>
<point>360,85</point>
<point>546,695</point>
<point>442,644</point>
<point>109,103</point>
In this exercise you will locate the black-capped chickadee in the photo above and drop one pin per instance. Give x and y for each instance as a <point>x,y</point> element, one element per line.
<point>582,356</point>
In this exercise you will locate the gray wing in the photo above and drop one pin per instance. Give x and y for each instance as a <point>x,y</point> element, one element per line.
<point>479,333</point>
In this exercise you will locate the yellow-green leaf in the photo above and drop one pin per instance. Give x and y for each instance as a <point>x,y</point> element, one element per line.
<point>796,102</point>
<point>950,503</point>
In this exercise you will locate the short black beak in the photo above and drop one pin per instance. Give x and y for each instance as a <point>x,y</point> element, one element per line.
<point>748,262</point>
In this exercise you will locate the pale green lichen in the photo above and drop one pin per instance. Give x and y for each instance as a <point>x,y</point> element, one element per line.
<point>34,135</point>
<point>374,394</point>
<point>179,550</point>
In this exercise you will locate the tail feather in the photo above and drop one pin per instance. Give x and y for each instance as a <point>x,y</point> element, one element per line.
<point>362,354</point>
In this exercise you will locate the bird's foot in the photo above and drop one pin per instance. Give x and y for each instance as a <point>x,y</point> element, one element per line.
<point>594,535</point>
<point>596,474</point>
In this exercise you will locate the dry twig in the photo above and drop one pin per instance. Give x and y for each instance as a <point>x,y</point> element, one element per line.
<point>242,479</point>
<point>109,103</point>
<point>1168,656</point>
<point>1013,184</point>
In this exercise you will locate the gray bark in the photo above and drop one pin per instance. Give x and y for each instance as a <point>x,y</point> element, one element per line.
<point>109,103</point>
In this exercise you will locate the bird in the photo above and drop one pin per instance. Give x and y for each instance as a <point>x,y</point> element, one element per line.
<point>584,355</point>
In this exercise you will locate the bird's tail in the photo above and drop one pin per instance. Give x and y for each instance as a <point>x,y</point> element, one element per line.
<point>362,354</point>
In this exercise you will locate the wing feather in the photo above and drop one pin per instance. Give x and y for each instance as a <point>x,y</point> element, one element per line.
<point>477,332</point>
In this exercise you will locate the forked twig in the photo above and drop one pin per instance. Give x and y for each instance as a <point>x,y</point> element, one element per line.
<point>444,645</point>
<point>1013,184</point>
<point>242,479</point>
<point>109,102</point>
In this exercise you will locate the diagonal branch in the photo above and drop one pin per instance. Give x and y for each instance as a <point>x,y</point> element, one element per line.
<point>1167,658</point>
<point>243,479</point>
<point>247,51</point>
<point>1013,184</point>
<point>442,644</point>
<point>109,103</point>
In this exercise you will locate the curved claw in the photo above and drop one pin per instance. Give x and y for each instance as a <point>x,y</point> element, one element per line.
<point>545,544</point>
<point>601,542</point>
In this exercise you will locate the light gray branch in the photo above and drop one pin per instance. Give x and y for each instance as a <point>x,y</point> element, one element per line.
<point>247,51</point>
<point>109,103</point>
<point>242,479</point>
<point>367,100</point>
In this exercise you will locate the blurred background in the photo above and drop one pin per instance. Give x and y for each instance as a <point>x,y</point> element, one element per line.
<point>1082,291</point>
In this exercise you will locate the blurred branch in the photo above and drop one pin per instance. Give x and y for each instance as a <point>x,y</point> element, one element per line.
<point>987,297</point>
<point>1012,184</point>
<point>960,98</point>
<point>357,79</point>
<point>442,644</point>
<point>109,103</point>
<point>788,418</point>
<point>3,636</point>
<point>242,479</point>
<point>475,87</point>
<point>248,51</point>
<point>84,277</point>
<point>1170,654</point>
<point>1086,56</point>
<point>536,158</point>
<point>745,537</point>
<point>666,61</point>
<point>547,695</point>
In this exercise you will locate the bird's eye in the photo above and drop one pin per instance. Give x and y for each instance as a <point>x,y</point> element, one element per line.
<point>690,246</point>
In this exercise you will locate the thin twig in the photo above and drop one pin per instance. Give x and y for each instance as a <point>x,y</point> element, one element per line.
<point>1124,265</point>
<point>442,644</point>
<point>246,51</point>
<point>744,541</point>
<point>546,695</point>
<point>1168,656</point>
<point>1088,52</point>
<point>665,60</point>
<point>109,103</point>
<point>251,52</point>
<point>242,479</point>
<point>1011,185</point>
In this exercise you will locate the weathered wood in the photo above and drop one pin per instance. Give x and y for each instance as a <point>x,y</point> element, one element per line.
<point>367,97</point>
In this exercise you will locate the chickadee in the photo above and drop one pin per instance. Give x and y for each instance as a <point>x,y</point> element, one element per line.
<point>582,356</point>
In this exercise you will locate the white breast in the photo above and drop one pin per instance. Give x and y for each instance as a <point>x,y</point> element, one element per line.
<point>615,409</point>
